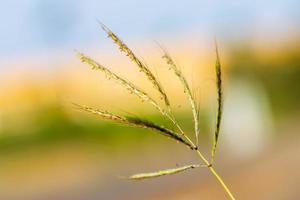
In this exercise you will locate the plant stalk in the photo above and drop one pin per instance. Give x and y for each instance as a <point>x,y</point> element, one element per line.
<point>213,171</point>
<point>207,163</point>
<point>216,175</point>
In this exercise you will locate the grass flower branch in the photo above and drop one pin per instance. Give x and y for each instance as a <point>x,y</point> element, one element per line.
<point>162,172</point>
<point>143,68</point>
<point>220,104</point>
<point>187,91</point>
<point>135,122</point>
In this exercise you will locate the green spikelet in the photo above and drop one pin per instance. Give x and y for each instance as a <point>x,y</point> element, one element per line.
<point>220,104</point>
<point>142,176</point>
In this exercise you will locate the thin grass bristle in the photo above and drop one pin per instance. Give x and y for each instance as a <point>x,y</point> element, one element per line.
<point>220,103</point>
<point>187,91</point>
<point>148,175</point>
<point>135,122</point>
<point>142,67</point>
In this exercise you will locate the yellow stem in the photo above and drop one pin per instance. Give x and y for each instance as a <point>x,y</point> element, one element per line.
<point>217,176</point>
<point>213,171</point>
<point>207,163</point>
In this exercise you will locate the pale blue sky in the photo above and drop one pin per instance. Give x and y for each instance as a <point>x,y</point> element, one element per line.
<point>43,25</point>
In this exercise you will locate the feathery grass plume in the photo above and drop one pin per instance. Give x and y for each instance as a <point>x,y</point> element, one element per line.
<point>135,122</point>
<point>142,176</point>
<point>143,68</point>
<point>220,103</point>
<point>187,90</point>
<point>128,85</point>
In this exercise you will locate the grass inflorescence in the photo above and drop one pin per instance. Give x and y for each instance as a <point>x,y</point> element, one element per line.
<point>181,136</point>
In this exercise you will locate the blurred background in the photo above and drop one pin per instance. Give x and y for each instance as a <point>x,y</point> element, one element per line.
<point>49,150</point>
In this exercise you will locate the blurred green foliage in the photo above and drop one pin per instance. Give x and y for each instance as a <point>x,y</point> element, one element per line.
<point>54,124</point>
<point>280,79</point>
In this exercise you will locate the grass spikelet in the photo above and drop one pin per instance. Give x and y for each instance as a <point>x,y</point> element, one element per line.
<point>128,85</point>
<point>220,104</point>
<point>187,91</point>
<point>142,176</point>
<point>135,122</point>
<point>142,67</point>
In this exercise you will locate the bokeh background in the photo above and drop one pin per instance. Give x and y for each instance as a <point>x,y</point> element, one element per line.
<point>49,150</point>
